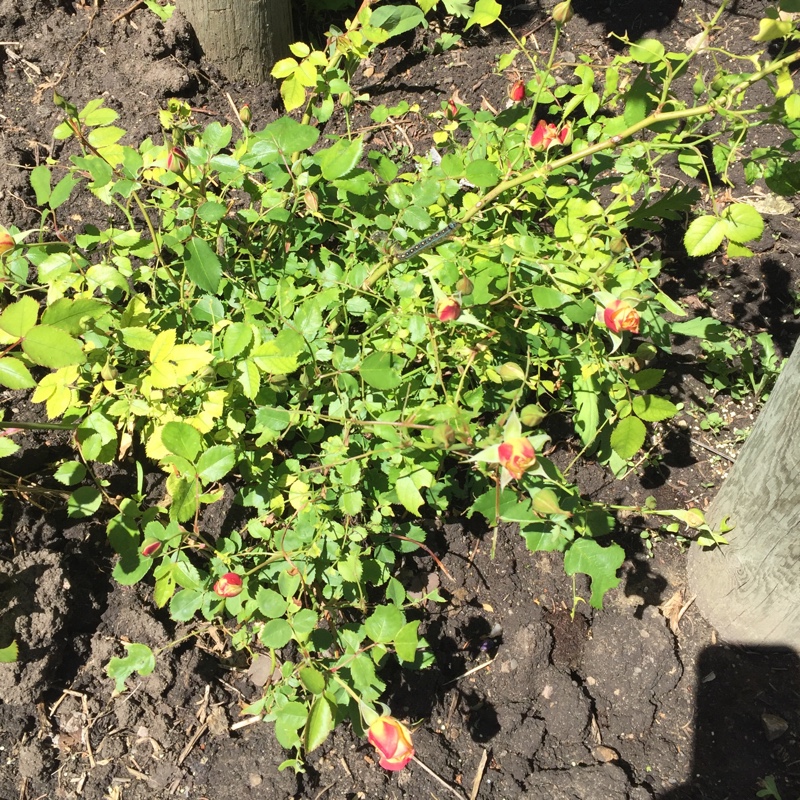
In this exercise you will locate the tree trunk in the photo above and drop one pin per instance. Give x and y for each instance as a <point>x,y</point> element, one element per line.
<point>244,38</point>
<point>749,590</point>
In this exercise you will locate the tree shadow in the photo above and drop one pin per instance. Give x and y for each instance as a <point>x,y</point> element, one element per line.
<point>630,18</point>
<point>745,724</point>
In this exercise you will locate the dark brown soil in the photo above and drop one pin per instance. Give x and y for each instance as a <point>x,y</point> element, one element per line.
<point>591,705</point>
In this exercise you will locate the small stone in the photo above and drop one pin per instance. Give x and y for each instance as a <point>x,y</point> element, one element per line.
<point>774,726</point>
<point>509,666</point>
<point>254,779</point>
<point>605,754</point>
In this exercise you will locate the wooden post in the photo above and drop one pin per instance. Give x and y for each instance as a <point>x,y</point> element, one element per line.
<point>244,38</point>
<point>749,590</point>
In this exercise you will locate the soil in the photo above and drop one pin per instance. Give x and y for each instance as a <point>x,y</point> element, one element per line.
<point>560,701</point>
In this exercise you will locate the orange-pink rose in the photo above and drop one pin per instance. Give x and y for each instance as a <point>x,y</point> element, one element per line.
<point>516,455</point>
<point>546,135</point>
<point>620,316</point>
<point>6,241</point>
<point>393,741</point>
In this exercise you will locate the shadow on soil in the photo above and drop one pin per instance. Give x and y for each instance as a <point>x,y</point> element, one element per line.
<point>747,702</point>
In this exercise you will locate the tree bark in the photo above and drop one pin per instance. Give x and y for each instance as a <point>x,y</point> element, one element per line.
<point>749,590</point>
<point>243,38</point>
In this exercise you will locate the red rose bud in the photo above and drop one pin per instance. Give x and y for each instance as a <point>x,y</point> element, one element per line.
<point>452,109</point>
<point>448,309</point>
<point>516,456</point>
<point>150,547</point>
<point>620,316</point>
<point>6,241</point>
<point>176,160</point>
<point>562,13</point>
<point>517,91</point>
<point>229,585</point>
<point>546,135</point>
<point>392,740</point>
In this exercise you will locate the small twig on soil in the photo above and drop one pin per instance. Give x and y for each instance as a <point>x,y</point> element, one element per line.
<point>127,11</point>
<point>712,450</point>
<point>436,777</point>
<point>245,722</point>
<point>192,742</point>
<point>476,784</point>
<point>471,671</point>
<point>323,790</point>
<point>235,110</point>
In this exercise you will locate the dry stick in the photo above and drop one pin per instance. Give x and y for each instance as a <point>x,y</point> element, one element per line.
<point>437,778</point>
<point>476,784</point>
<point>127,11</point>
<point>541,170</point>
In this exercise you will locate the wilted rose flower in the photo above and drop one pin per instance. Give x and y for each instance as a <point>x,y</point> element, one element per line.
<point>448,309</point>
<point>517,91</point>
<point>516,456</point>
<point>620,316</point>
<point>6,241</point>
<point>546,135</point>
<point>229,585</point>
<point>150,547</point>
<point>393,741</point>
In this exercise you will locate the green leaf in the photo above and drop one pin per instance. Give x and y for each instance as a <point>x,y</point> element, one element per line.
<point>770,29</point>
<point>139,658</point>
<point>69,315</point>
<point>312,679</point>
<point>289,718</point>
<point>183,493</point>
<point>9,654</point>
<point>18,318</point>
<point>40,181</point>
<point>645,379</point>
<point>270,603</point>
<point>51,347</point>
<point>647,51</point>
<point>216,462</point>
<point>61,191</point>
<point>652,408</point>
<point>627,437</point>
<point>320,723</point>
<point>238,336</point>
<point>745,223</point>
<point>185,604</point>
<point>407,641</point>
<point>382,370</point>
<point>547,297</point>
<point>396,20</point>
<point>340,159</point>
<point>384,624</point>
<point>276,634</point>
<point>182,439</point>
<point>486,12</point>
<point>83,502</point>
<point>8,446</point>
<point>705,235</point>
<point>599,563</point>
<point>14,374</point>
<point>408,494</point>
<point>202,265</point>
<point>484,174</point>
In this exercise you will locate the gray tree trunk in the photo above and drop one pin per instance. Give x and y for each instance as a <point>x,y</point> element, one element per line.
<point>244,38</point>
<point>750,590</point>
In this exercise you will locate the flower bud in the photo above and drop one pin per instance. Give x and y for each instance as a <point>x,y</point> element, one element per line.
<point>444,435</point>
<point>464,285</point>
<point>618,245</point>
<point>311,200</point>
<point>695,518</point>
<point>229,585</point>
<point>6,241</point>
<point>245,114</point>
<point>545,502</point>
<point>448,309</point>
<point>452,109</point>
<point>517,91</point>
<point>511,372</point>
<point>150,547</point>
<point>176,160</point>
<point>532,415</point>
<point>562,13</point>
<point>392,740</point>
<point>346,99</point>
